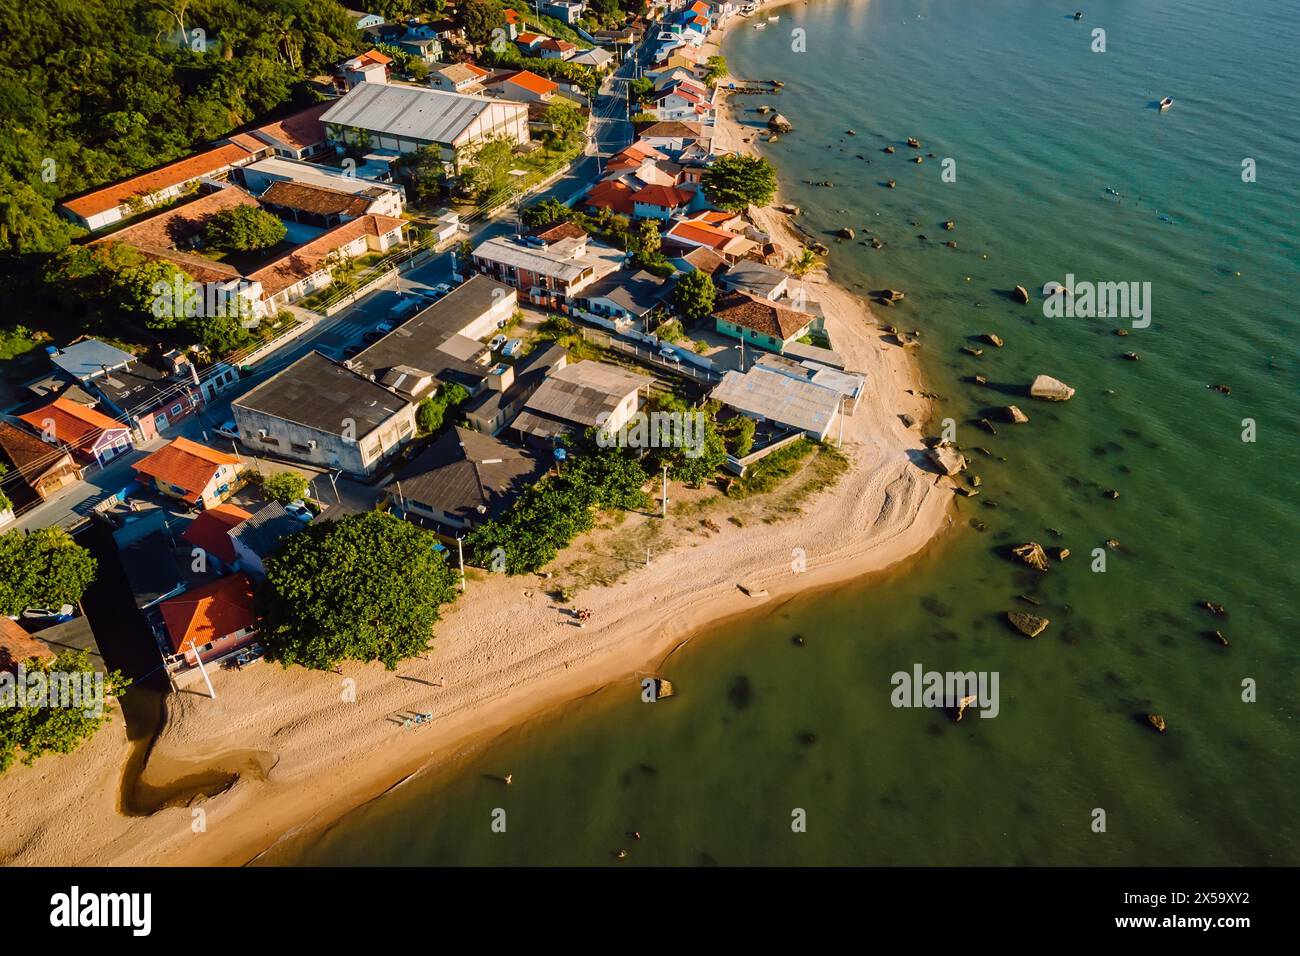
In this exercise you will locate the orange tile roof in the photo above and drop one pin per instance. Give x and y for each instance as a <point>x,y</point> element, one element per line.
<point>529,38</point>
<point>714,217</point>
<point>174,174</point>
<point>17,646</point>
<point>185,464</point>
<point>374,56</point>
<point>667,197</point>
<point>301,129</point>
<point>511,16</point>
<point>533,83</point>
<point>702,233</point>
<point>210,612</point>
<point>611,195</point>
<point>761,315</point>
<point>211,530</point>
<point>308,258</point>
<point>173,227</point>
<point>74,424</point>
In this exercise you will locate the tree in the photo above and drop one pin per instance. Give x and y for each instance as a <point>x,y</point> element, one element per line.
<point>565,120</point>
<point>738,433</point>
<point>803,263</point>
<point>155,289</point>
<point>30,728</point>
<point>432,411</point>
<point>737,181</point>
<point>640,90</point>
<point>485,172</point>
<point>425,174</point>
<point>648,240</point>
<point>479,18</point>
<point>285,486</point>
<point>220,335</point>
<point>692,461</point>
<point>244,229</point>
<point>366,587</point>
<point>42,568</point>
<point>694,295</point>
<point>715,69</point>
<point>548,212</point>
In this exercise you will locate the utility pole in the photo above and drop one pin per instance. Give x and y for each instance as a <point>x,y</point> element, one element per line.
<point>460,554</point>
<point>335,485</point>
<point>203,670</point>
<point>665,507</point>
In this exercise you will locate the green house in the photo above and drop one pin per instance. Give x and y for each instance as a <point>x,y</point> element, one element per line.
<point>760,322</point>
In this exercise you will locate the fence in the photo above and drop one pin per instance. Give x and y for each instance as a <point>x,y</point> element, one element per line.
<point>649,354</point>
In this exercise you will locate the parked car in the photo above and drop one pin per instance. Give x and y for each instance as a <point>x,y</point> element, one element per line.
<point>353,350</point>
<point>300,510</point>
<point>511,348</point>
<point>46,615</point>
<point>377,333</point>
<point>228,429</point>
<point>440,290</point>
<point>497,342</point>
<point>669,354</point>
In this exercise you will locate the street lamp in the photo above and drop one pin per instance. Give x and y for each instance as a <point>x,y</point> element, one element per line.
<point>518,175</point>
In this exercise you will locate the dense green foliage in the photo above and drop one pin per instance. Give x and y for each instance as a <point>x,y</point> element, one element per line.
<point>366,587</point>
<point>423,174</point>
<point>244,229</point>
<point>285,486</point>
<point>696,463</point>
<point>715,69</point>
<point>738,433</point>
<point>93,91</point>
<point>547,516</point>
<point>561,71</point>
<point>431,412</point>
<point>737,181</point>
<point>694,295</point>
<point>479,18</point>
<point>27,732</point>
<point>43,568</point>
<point>565,119</point>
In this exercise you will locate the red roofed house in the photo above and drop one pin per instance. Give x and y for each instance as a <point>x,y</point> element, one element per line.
<point>194,473</point>
<point>512,23</point>
<point>307,268</point>
<point>761,322</point>
<point>217,619</point>
<point>210,533</point>
<point>369,67</point>
<point>111,204</point>
<point>530,43</point>
<point>38,467</point>
<point>528,87</point>
<point>298,136</point>
<point>553,49</point>
<point>725,243</point>
<point>612,195</point>
<point>69,424</point>
<point>660,202</point>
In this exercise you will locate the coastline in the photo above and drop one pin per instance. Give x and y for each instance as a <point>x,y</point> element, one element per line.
<point>505,654</point>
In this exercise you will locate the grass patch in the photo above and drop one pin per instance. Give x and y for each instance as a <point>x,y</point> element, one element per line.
<point>767,473</point>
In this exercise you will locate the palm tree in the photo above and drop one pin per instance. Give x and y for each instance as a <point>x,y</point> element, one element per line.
<point>803,263</point>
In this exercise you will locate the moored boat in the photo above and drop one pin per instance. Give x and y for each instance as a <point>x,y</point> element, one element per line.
<point>1165,103</point>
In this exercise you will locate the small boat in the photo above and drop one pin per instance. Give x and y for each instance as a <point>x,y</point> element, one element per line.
<point>1112,190</point>
<point>760,26</point>
<point>1167,102</point>
<point>1078,14</point>
<point>773,19</point>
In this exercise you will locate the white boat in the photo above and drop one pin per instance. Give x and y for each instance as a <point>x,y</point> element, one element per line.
<point>759,26</point>
<point>773,19</point>
<point>1167,102</point>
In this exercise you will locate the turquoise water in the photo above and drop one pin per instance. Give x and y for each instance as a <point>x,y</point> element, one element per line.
<point>1039,126</point>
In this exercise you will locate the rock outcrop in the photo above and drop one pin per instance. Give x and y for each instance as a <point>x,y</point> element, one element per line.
<point>1030,625</point>
<point>1032,554</point>
<point>1014,415</point>
<point>947,459</point>
<point>1049,389</point>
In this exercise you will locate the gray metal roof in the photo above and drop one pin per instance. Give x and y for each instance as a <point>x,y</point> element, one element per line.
<point>85,359</point>
<point>320,393</point>
<point>637,292</point>
<point>433,116</point>
<point>464,471</point>
<point>767,394</point>
<point>579,393</point>
<point>263,530</point>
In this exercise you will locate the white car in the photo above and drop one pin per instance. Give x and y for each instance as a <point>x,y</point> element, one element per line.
<point>512,347</point>
<point>497,342</point>
<point>228,430</point>
<point>300,510</point>
<point>669,354</point>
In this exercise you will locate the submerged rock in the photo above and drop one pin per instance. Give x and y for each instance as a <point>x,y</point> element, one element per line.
<point>1157,721</point>
<point>993,339</point>
<point>1021,295</point>
<point>1030,625</point>
<point>1032,554</point>
<point>1014,415</point>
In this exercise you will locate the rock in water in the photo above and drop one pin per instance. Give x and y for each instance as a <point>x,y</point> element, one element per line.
<point>913,142</point>
<point>846,232</point>
<point>992,339</point>
<point>1157,721</point>
<point>1061,554</point>
<point>1049,389</point>
<point>947,459</point>
<point>1030,625</point>
<point>779,124</point>
<point>1021,295</point>
<point>1014,415</point>
<point>1032,553</point>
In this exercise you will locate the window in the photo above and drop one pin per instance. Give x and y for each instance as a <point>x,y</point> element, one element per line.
<point>299,448</point>
<point>176,409</point>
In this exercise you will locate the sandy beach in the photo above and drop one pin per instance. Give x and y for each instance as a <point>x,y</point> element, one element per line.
<point>309,746</point>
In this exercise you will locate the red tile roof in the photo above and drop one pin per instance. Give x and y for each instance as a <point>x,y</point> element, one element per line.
<point>529,38</point>
<point>532,82</point>
<point>550,43</point>
<point>762,316</point>
<point>175,227</point>
<point>310,257</point>
<point>701,233</point>
<point>210,530</point>
<point>186,465</point>
<point>73,423</point>
<point>17,646</point>
<point>209,613</point>
<point>174,174</point>
<point>300,130</point>
<point>611,195</point>
<point>666,197</point>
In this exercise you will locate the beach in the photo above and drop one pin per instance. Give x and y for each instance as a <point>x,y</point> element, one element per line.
<point>305,747</point>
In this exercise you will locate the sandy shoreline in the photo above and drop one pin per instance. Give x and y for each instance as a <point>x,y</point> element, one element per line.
<point>306,753</point>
